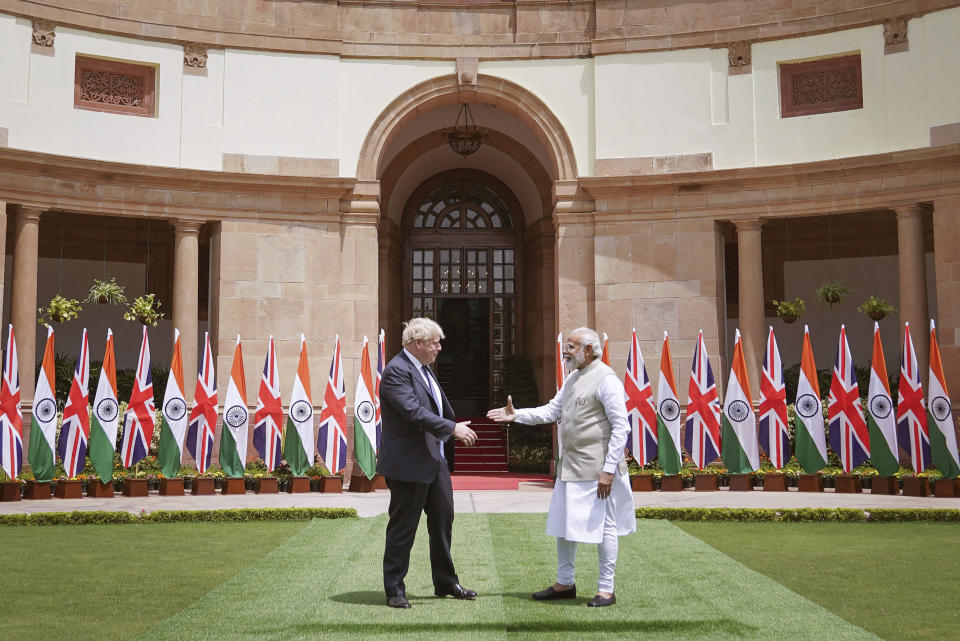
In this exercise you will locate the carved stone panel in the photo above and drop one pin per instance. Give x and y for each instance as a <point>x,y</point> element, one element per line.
<point>739,54</point>
<point>895,35</point>
<point>821,86</point>
<point>118,87</point>
<point>195,55</point>
<point>44,32</point>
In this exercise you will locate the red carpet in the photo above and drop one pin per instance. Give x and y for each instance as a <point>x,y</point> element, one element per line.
<point>501,481</point>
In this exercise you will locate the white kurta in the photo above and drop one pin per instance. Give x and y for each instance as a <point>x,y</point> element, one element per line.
<point>576,513</point>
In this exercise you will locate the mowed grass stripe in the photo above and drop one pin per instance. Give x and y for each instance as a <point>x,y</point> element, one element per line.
<point>670,585</point>
<point>113,582</point>
<point>327,580</point>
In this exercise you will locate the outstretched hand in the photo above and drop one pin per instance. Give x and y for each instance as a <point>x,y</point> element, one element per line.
<point>504,414</point>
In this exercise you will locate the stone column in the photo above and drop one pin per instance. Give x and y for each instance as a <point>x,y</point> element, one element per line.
<point>751,306</point>
<point>23,297</point>
<point>185,288</point>
<point>573,217</point>
<point>913,282</point>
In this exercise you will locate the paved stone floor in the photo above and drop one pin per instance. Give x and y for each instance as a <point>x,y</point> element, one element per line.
<point>531,497</point>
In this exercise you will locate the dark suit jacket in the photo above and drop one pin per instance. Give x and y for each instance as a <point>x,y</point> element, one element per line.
<point>413,432</point>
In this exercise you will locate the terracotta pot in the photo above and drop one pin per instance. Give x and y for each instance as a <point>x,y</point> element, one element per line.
<point>69,489</point>
<point>916,486</point>
<point>848,484</point>
<point>233,486</point>
<point>37,490</point>
<point>810,483</point>
<point>641,482</point>
<point>134,487</point>
<point>360,483</point>
<point>100,490</point>
<point>267,485</point>
<point>10,491</point>
<point>671,483</point>
<point>298,485</point>
<point>706,483</point>
<point>947,488</point>
<point>884,485</point>
<point>741,482</point>
<point>202,486</point>
<point>330,485</point>
<point>774,482</point>
<point>171,487</point>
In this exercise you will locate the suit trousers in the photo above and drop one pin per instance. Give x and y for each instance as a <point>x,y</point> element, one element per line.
<point>407,502</point>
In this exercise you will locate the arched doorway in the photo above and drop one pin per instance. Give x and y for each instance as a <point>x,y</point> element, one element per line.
<point>462,265</point>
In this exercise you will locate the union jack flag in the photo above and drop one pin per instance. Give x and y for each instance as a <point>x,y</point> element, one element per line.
<point>203,416</point>
<point>139,419</point>
<point>332,440</point>
<point>75,432</point>
<point>381,359</point>
<point>849,435</point>
<point>774,437</point>
<point>11,419</point>
<point>911,411</point>
<point>641,409</point>
<point>702,439</point>
<point>268,418</point>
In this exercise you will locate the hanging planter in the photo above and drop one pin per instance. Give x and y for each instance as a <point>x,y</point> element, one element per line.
<point>876,308</point>
<point>789,310</point>
<point>145,310</point>
<point>59,310</point>
<point>832,292</point>
<point>106,292</point>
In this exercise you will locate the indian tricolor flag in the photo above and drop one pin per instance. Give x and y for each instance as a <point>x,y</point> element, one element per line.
<point>43,425</point>
<point>605,354</point>
<point>365,417</point>
<point>943,432</point>
<point>560,372</point>
<point>75,430</point>
<point>668,414</point>
<point>173,422</point>
<point>105,416</point>
<point>811,442</point>
<point>236,418</point>
<point>739,430</point>
<point>298,440</point>
<point>881,422</point>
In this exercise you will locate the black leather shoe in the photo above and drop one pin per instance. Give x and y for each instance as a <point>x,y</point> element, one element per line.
<point>552,595</point>
<point>600,601</point>
<point>457,591</point>
<point>398,601</point>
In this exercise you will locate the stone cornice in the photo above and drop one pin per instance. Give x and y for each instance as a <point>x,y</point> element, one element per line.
<point>450,30</point>
<point>97,187</point>
<point>881,181</point>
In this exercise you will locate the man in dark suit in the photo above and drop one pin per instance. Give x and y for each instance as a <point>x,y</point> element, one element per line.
<point>417,421</point>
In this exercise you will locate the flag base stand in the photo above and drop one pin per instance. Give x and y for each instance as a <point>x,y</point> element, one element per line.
<point>69,489</point>
<point>848,484</point>
<point>810,483</point>
<point>706,483</point>
<point>641,482</point>
<point>947,488</point>
<point>267,485</point>
<point>360,483</point>
<point>671,483</point>
<point>171,487</point>
<point>298,485</point>
<point>774,482</point>
<point>37,490</point>
<point>741,482</point>
<point>134,487</point>
<point>202,486</point>
<point>884,485</point>
<point>379,482</point>
<point>100,490</point>
<point>330,484</point>
<point>916,486</point>
<point>10,491</point>
<point>233,486</point>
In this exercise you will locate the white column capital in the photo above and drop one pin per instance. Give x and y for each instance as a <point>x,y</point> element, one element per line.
<point>187,226</point>
<point>749,224</point>
<point>914,210</point>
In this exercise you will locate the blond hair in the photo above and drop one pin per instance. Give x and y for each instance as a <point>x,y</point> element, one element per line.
<point>420,329</point>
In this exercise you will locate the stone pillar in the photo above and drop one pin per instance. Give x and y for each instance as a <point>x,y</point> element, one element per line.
<point>23,297</point>
<point>185,292</point>
<point>573,217</point>
<point>946,250</point>
<point>913,282</point>
<point>751,305</point>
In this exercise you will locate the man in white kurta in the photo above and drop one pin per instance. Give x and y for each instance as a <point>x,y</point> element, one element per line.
<point>592,501</point>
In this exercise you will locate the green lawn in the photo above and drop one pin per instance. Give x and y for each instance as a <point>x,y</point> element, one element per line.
<point>276,580</point>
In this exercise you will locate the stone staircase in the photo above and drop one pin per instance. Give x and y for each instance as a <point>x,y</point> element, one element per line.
<point>488,455</point>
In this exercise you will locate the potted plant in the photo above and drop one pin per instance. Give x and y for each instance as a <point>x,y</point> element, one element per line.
<point>59,310</point>
<point>876,308</point>
<point>144,309</point>
<point>106,292</point>
<point>789,310</point>
<point>832,292</point>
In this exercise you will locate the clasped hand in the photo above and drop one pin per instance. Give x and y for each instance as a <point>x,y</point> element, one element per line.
<point>464,434</point>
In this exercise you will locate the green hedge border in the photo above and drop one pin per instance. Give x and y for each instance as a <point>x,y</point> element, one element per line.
<point>799,515</point>
<point>178,516</point>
